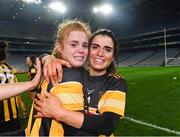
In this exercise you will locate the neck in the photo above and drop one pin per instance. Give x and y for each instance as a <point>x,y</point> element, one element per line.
<point>97,72</point>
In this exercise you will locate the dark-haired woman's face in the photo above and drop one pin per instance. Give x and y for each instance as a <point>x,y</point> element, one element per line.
<point>28,61</point>
<point>101,53</point>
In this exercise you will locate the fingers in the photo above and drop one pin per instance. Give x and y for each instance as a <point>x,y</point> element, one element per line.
<point>50,72</point>
<point>47,94</point>
<point>38,64</point>
<point>37,77</point>
<point>40,97</point>
<point>59,72</point>
<point>36,107</point>
<point>65,63</point>
<point>53,69</point>
<point>38,115</point>
<point>38,103</point>
<point>45,74</point>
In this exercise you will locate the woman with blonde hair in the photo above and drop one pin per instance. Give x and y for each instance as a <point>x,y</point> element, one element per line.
<point>71,45</point>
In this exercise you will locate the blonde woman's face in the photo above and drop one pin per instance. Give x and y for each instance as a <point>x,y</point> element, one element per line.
<point>74,48</point>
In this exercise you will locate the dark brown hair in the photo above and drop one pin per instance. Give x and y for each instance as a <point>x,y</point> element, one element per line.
<point>111,69</point>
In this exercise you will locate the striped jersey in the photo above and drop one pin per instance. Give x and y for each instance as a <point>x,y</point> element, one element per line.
<point>32,71</point>
<point>70,92</point>
<point>106,93</point>
<point>8,107</point>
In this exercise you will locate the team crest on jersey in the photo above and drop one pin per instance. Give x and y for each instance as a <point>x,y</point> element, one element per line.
<point>90,91</point>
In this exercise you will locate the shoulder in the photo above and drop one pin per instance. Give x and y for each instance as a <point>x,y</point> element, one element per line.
<point>6,68</point>
<point>72,74</point>
<point>71,70</point>
<point>116,78</point>
<point>117,82</point>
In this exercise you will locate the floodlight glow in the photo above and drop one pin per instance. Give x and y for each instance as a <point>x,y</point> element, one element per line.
<point>95,9</point>
<point>33,1</point>
<point>58,6</point>
<point>106,9</point>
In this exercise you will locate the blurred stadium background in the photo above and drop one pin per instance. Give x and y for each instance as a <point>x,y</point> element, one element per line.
<point>148,33</point>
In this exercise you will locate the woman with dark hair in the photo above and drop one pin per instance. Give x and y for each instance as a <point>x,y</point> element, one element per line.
<point>30,61</point>
<point>104,92</point>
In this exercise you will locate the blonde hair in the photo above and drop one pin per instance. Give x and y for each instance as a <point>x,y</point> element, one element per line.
<point>65,28</point>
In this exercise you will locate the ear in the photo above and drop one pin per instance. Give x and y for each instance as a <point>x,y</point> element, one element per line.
<point>59,47</point>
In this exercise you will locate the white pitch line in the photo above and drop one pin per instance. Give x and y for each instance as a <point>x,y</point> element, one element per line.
<point>153,126</point>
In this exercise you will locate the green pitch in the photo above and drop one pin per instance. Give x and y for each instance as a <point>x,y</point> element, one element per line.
<point>153,98</point>
<point>153,101</point>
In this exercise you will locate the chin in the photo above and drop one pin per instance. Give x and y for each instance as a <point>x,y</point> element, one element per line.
<point>78,65</point>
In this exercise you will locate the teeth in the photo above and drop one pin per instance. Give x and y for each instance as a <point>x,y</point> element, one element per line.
<point>79,58</point>
<point>98,60</point>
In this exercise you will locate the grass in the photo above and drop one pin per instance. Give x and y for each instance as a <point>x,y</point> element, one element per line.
<point>153,97</point>
<point>26,99</point>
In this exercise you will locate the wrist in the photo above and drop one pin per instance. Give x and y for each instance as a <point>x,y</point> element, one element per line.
<point>60,114</point>
<point>47,59</point>
<point>42,57</point>
<point>32,85</point>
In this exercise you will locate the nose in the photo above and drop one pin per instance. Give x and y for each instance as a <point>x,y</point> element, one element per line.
<point>81,49</point>
<point>100,52</point>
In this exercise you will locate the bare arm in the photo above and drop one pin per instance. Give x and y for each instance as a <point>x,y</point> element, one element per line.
<point>49,106</point>
<point>20,87</point>
<point>52,68</point>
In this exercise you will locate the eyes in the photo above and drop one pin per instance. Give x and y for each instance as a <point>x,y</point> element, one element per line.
<point>76,44</point>
<point>106,49</point>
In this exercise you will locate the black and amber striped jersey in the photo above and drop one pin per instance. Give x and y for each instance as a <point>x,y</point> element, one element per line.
<point>70,92</point>
<point>32,71</point>
<point>8,107</point>
<point>106,93</point>
<point>106,96</point>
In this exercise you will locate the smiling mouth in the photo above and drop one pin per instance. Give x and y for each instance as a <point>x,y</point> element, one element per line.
<point>79,58</point>
<point>99,60</point>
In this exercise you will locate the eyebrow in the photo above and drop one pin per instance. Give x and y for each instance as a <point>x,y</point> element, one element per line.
<point>108,47</point>
<point>95,44</point>
<point>75,41</point>
<point>104,46</point>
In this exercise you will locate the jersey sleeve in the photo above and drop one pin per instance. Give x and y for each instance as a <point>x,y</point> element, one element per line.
<point>113,100</point>
<point>111,107</point>
<point>104,124</point>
